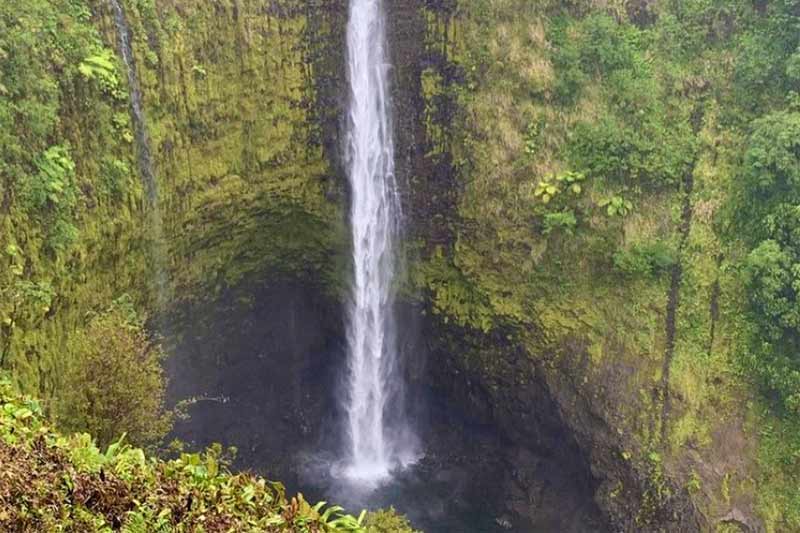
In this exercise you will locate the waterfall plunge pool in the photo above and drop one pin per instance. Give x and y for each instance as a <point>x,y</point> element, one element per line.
<point>266,370</point>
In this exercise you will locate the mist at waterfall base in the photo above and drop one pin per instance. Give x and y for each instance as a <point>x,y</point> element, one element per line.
<point>269,372</point>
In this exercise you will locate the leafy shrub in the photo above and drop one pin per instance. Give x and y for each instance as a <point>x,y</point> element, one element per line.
<point>773,157</point>
<point>793,67</point>
<point>609,45</point>
<point>773,284</point>
<point>115,380</point>
<point>387,521</point>
<point>760,71</point>
<point>770,218</point>
<point>533,138</point>
<point>566,58</point>
<point>29,303</point>
<point>616,206</point>
<point>635,153</point>
<point>563,220</point>
<point>101,67</point>
<point>547,189</point>
<point>596,45</point>
<point>51,196</point>
<point>774,279</point>
<point>645,259</point>
<point>53,483</point>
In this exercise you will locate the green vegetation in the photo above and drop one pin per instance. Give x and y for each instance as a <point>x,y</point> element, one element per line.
<point>56,483</point>
<point>114,380</point>
<point>770,216</point>
<point>244,186</point>
<point>247,196</point>
<point>69,214</point>
<point>622,206</point>
<point>387,521</point>
<point>648,258</point>
<point>674,261</point>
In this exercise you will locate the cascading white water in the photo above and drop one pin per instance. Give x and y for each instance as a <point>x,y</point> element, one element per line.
<point>137,108</point>
<point>145,159</point>
<point>375,213</point>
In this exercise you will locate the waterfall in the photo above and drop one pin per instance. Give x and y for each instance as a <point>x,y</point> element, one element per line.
<point>144,158</point>
<point>375,213</point>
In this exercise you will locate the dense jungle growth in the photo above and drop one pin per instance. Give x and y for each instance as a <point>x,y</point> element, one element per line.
<point>55,483</point>
<point>603,210</point>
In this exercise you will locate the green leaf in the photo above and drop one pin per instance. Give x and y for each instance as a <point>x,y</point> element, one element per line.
<point>116,448</point>
<point>23,413</point>
<point>86,71</point>
<point>275,520</point>
<point>248,494</point>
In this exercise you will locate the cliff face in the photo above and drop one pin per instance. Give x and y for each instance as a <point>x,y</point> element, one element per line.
<point>238,102</point>
<point>241,109</point>
<point>564,171</point>
<point>580,273</point>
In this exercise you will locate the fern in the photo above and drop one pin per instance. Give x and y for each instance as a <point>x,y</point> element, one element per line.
<point>101,68</point>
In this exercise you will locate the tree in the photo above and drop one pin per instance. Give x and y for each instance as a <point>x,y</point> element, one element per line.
<point>115,381</point>
<point>770,219</point>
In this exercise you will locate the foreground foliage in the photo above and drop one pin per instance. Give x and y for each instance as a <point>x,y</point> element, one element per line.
<point>55,483</point>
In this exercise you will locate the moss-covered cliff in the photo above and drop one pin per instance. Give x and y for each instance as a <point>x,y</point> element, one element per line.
<point>241,133</point>
<point>591,251</point>
<point>236,125</point>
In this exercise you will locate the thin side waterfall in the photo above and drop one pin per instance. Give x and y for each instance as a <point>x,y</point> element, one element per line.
<point>375,448</point>
<point>144,158</point>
